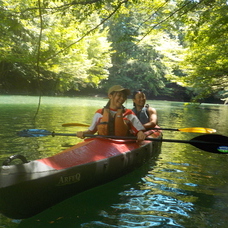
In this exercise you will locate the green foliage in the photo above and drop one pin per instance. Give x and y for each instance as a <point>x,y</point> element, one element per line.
<point>140,62</point>
<point>206,60</point>
<point>158,46</point>
<point>65,61</point>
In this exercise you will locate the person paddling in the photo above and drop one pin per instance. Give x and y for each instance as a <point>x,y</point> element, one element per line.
<point>114,118</point>
<point>146,114</point>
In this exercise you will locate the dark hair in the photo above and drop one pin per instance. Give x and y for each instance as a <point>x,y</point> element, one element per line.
<point>136,92</point>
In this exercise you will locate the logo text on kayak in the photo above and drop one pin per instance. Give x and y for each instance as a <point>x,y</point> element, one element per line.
<point>64,180</point>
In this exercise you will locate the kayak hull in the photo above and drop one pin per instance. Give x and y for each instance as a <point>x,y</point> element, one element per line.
<point>28,189</point>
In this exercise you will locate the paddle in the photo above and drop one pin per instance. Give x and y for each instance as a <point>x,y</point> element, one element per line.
<point>210,142</point>
<point>190,129</point>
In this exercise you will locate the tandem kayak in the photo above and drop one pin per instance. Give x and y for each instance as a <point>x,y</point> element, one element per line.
<point>31,187</point>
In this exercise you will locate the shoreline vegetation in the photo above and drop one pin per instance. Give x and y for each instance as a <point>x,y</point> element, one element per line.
<point>104,95</point>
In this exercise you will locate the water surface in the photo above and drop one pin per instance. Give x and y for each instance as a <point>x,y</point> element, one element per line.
<point>181,187</point>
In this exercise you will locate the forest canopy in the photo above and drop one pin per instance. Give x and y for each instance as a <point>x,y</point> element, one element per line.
<point>167,48</point>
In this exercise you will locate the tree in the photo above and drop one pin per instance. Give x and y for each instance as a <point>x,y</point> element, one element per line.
<point>206,46</point>
<point>65,45</point>
<point>44,44</point>
<point>140,55</point>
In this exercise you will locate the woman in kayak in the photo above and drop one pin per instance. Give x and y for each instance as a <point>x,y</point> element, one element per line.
<point>114,118</point>
<point>146,114</point>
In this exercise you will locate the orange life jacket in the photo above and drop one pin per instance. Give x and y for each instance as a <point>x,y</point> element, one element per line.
<point>113,125</point>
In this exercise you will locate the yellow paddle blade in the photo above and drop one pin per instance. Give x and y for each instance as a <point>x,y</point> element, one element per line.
<point>75,124</point>
<point>197,130</point>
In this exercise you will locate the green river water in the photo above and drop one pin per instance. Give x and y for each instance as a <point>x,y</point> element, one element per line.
<point>181,187</point>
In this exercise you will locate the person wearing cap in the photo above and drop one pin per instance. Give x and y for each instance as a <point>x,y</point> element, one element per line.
<point>114,118</point>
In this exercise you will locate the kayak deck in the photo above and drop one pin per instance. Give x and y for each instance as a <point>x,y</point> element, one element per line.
<point>89,151</point>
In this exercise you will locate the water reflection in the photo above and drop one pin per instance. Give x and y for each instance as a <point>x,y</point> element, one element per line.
<point>134,220</point>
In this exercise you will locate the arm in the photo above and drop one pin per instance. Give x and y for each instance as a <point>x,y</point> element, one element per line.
<point>141,136</point>
<point>153,118</point>
<point>80,134</point>
<point>93,127</point>
<point>136,126</point>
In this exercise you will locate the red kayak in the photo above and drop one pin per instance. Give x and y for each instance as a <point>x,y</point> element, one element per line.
<point>29,188</point>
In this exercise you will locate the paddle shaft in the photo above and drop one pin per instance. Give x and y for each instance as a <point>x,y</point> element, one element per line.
<point>151,139</point>
<point>133,138</point>
<point>208,142</point>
